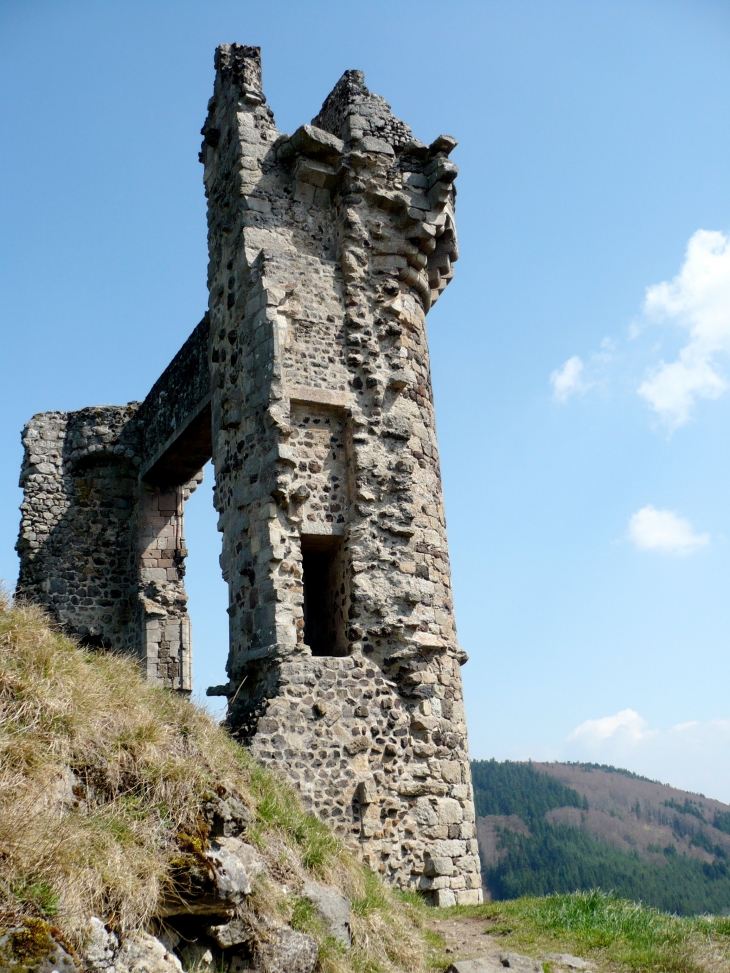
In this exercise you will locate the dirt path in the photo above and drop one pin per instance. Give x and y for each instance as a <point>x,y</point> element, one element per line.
<point>466,937</point>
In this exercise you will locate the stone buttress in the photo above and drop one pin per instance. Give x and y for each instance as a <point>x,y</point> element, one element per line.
<point>308,384</point>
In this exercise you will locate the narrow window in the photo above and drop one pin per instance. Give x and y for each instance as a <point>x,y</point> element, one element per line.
<point>324,594</point>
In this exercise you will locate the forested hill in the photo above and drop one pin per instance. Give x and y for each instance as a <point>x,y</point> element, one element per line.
<point>550,827</point>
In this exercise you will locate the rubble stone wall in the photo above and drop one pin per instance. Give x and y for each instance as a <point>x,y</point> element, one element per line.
<point>77,533</point>
<point>327,248</point>
<point>100,548</point>
<point>177,395</point>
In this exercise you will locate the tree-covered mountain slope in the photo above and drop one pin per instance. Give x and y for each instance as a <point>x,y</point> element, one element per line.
<point>554,827</point>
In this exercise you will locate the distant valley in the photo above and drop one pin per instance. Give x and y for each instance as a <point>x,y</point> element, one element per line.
<point>553,827</point>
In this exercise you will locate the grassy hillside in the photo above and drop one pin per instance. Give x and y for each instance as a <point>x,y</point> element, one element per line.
<point>103,780</point>
<point>613,933</point>
<point>547,828</point>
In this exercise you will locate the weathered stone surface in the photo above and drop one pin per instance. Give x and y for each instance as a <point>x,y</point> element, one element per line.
<point>288,951</point>
<point>497,963</point>
<point>218,887</point>
<point>333,908</point>
<point>482,964</point>
<point>30,948</point>
<point>229,934</point>
<point>569,962</point>
<point>520,963</point>
<point>228,816</point>
<point>143,953</point>
<point>100,946</point>
<point>139,953</point>
<point>236,866</point>
<point>308,383</point>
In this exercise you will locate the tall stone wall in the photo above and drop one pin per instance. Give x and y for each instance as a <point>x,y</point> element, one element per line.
<point>308,383</point>
<point>327,248</point>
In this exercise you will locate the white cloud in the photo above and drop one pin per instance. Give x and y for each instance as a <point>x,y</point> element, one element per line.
<point>626,725</point>
<point>697,299</point>
<point>568,380</point>
<point>693,755</point>
<point>663,530</point>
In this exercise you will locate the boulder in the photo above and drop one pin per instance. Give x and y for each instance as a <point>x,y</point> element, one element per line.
<point>483,964</point>
<point>229,934</point>
<point>100,947</point>
<point>520,963</point>
<point>142,953</point>
<point>218,886</point>
<point>288,951</point>
<point>139,953</point>
<point>228,816</point>
<point>497,963</point>
<point>569,962</point>
<point>333,909</point>
<point>236,865</point>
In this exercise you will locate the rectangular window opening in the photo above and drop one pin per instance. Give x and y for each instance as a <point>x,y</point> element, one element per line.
<point>324,594</point>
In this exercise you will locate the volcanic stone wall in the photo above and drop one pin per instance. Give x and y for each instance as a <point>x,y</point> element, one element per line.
<point>101,547</point>
<point>77,532</point>
<point>327,248</point>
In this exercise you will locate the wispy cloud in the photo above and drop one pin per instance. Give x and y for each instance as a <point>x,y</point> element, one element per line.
<point>698,300</point>
<point>691,755</point>
<point>568,380</point>
<point>695,302</point>
<point>664,530</point>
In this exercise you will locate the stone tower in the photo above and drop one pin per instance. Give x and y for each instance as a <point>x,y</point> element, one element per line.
<point>308,384</point>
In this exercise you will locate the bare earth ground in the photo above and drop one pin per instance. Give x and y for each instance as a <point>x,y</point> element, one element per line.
<point>466,937</point>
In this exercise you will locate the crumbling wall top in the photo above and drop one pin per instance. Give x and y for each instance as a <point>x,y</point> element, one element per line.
<point>351,111</point>
<point>240,64</point>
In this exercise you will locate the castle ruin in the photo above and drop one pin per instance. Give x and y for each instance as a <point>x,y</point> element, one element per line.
<point>308,385</point>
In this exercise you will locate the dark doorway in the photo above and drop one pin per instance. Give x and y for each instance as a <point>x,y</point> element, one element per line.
<point>324,594</point>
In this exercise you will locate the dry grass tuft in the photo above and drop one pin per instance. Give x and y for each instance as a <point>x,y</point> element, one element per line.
<point>99,772</point>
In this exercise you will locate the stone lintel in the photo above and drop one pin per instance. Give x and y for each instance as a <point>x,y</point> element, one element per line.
<point>307,395</point>
<point>186,451</point>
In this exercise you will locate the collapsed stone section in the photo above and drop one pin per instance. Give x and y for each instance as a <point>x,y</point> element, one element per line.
<point>308,382</point>
<point>77,534</point>
<point>101,540</point>
<point>327,248</point>
<point>352,112</point>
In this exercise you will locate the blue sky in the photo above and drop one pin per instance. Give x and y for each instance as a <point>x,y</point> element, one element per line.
<point>583,411</point>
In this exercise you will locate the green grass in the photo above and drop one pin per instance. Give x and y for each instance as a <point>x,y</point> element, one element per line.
<point>615,933</point>
<point>277,808</point>
<point>40,893</point>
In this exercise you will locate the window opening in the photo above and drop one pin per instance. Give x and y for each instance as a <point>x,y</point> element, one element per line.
<point>324,594</point>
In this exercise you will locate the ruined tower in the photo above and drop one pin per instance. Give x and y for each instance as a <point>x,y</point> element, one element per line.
<point>308,384</point>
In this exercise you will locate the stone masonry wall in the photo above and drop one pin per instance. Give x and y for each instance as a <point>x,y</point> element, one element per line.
<point>327,248</point>
<point>77,533</point>
<point>100,548</point>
